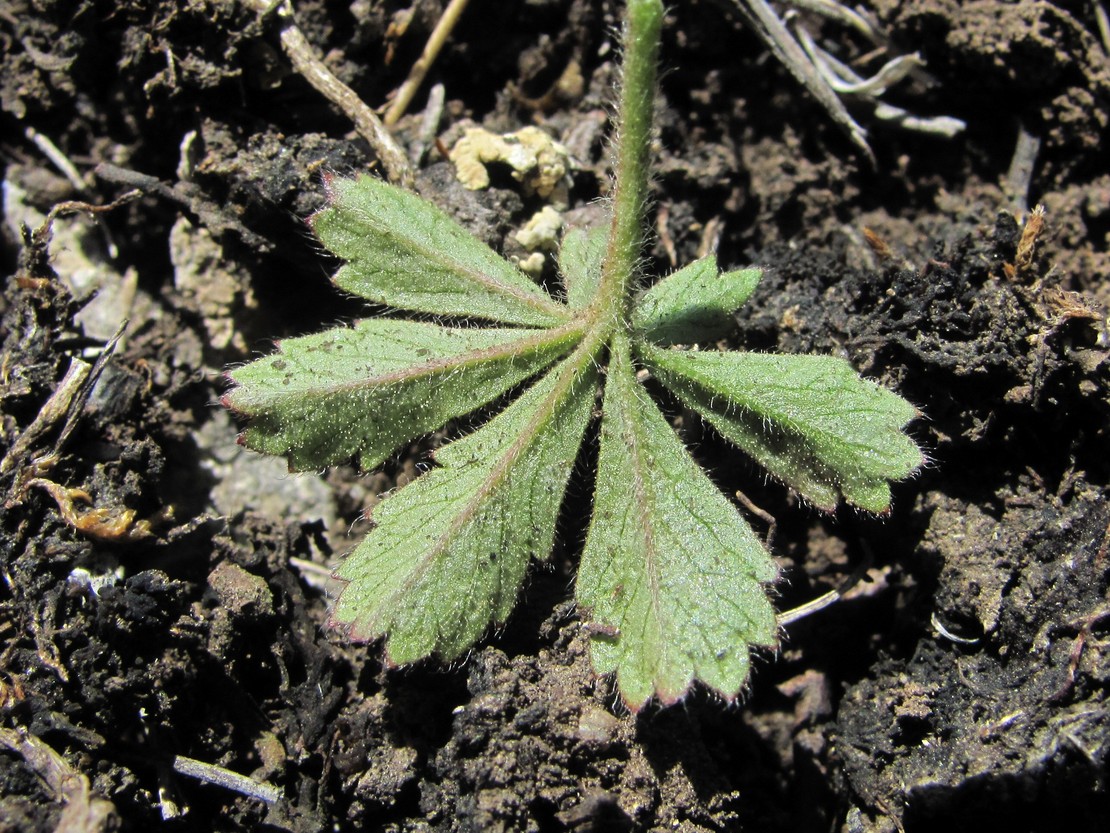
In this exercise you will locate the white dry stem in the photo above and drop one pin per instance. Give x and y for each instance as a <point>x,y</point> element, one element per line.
<point>226,778</point>
<point>852,18</point>
<point>774,34</point>
<point>1103,22</point>
<point>846,81</point>
<point>828,79</point>
<point>52,152</point>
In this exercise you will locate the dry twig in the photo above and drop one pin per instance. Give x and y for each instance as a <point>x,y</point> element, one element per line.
<point>82,810</point>
<point>827,78</point>
<point>186,194</point>
<point>52,152</point>
<point>226,778</point>
<point>439,36</point>
<point>312,69</point>
<point>774,34</point>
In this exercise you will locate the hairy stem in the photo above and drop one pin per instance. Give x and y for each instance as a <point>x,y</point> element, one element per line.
<point>633,149</point>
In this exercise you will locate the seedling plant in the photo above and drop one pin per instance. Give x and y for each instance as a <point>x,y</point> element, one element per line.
<point>672,579</point>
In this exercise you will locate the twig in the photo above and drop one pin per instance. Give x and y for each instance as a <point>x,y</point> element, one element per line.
<point>710,237</point>
<point>846,81</point>
<point>843,15</point>
<point>433,113</point>
<point>77,406</point>
<point>315,575</point>
<point>1027,243</point>
<point>44,632</point>
<point>826,78</point>
<point>947,127</point>
<point>221,777</point>
<point>1020,174</point>
<point>439,36</point>
<point>78,207</point>
<point>68,402</point>
<point>763,514</point>
<point>53,410</point>
<point>1103,25</point>
<point>662,219</point>
<point>1076,654</point>
<point>825,600</point>
<point>60,160</point>
<point>939,627</point>
<point>312,568</point>
<point>189,196</point>
<point>879,247</point>
<point>83,810</point>
<point>802,611</point>
<point>773,32</point>
<point>312,69</point>
<point>890,814</point>
<point>1100,556</point>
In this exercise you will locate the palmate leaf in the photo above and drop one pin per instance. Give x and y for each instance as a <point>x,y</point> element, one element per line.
<point>404,252</point>
<point>671,572</point>
<point>367,389</point>
<point>580,265</point>
<point>672,579</point>
<point>449,551</point>
<point>810,420</point>
<point>694,304</point>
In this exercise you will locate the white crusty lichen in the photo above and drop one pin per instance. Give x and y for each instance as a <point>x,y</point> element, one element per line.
<point>537,161</point>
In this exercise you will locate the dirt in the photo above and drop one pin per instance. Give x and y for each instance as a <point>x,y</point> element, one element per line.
<point>165,594</point>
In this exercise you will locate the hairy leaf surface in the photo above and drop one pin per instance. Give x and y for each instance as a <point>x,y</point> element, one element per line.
<point>812,421</point>
<point>672,580</point>
<point>671,573</point>
<point>448,552</point>
<point>405,252</point>
<point>365,390</point>
<point>694,304</point>
<point>580,258</point>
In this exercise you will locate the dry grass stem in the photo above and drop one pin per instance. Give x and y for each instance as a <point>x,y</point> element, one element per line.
<point>312,69</point>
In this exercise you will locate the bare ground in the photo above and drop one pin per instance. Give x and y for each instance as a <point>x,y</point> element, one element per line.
<point>961,684</point>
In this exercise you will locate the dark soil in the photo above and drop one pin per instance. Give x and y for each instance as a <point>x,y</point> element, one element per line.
<point>962,684</point>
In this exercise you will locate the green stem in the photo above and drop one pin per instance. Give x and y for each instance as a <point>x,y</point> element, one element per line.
<point>644,21</point>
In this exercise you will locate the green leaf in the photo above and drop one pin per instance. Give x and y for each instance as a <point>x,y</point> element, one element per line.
<point>580,257</point>
<point>449,551</point>
<point>812,421</point>
<point>694,304</point>
<point>365,390</point>
<point>671,575</point>
<point>405,252</point>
